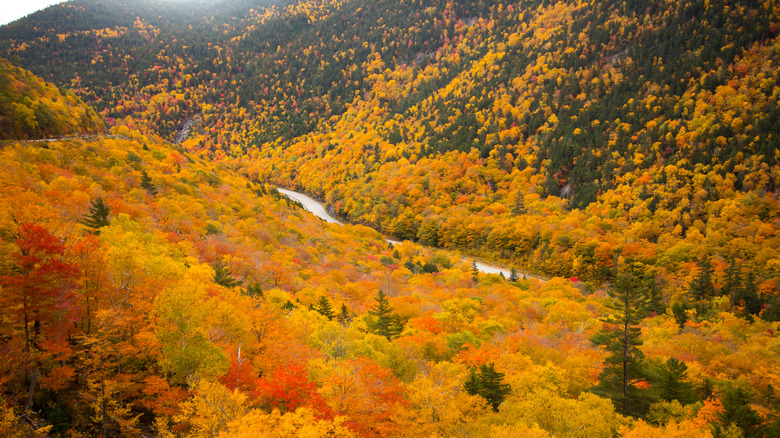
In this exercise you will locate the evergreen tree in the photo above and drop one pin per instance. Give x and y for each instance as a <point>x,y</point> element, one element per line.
<point>146,183</point>
<point>680,311</point>
<point>323,307</point>
<point>519,207</point>
<point>387,323</point>
<point>736,398</point>
<point>669,380</point>
<point>344,317</point>
<point>732,281</point>
<point>747,296</point>
<point>655,295</point>
<point>97,217</point>
<point>701,287</point>
<point>620,336</point>
<point>513,275</point>
<point>487,383</point>
<point>224,276</point>
<point>254,290</point>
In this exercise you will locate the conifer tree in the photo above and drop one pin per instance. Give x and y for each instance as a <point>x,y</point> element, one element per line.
<point>620,336</point>
<point>254,290</point>
<point>701,286</point>
<point>747,296</point>
<point>387,323</point>
<point>146,183</point>
<point>487,383</point>
<point>223,276</point>
<point>324,308</point>
<point>97,217</point>
<point>670,381</point>
<point>519,207</point>
<point>344,317</point>
<point>513,275</point>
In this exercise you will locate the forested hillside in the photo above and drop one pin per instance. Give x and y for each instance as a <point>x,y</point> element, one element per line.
<point>156,282</point>
<point>31,108</point>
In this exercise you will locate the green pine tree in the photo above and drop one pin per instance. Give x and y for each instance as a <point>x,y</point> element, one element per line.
<point>146,183</point>
<point>488,383</point>
<point>344,317</point>
<point>669,380</point>
<point>620,337</point>
<point>513,275</point>
<point>387,323</point>
<point>254,290</point>
<point>701,287</point>
<point>747,296</point>
<point>323,307</point>
<point>737,397</point>
<point>223,276</point>
<point>97,217</point>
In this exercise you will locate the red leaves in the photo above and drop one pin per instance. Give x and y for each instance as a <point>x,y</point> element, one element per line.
<point>286,388</point>
<point>241,376</point>
<point>40,291</point>
<point>289,388</point>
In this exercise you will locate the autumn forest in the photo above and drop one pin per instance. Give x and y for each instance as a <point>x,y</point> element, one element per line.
<point>620,160</point>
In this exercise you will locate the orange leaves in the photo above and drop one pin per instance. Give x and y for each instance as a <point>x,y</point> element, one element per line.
<point>365,393</point>
<point>426,323</point>
<point>160,397</point>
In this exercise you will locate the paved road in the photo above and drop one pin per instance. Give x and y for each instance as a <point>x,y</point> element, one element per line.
<point>318,209</point>
<point>310,205</point>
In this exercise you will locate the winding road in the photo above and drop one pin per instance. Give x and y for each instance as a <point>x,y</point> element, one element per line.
<point>317,209</point>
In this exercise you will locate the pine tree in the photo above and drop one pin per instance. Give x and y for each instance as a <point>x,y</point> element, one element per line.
<point>670,381</point>
<point>747,296</point>
<point>223,276</point>
<point>655,295</point>
<point>146,183</point>
<point>701,286</point>
<point>254,290</point>
<point>487,383</point>
<point>519,207</point>
<point>620,336</point>
<point>737,398</point>
<point>732,281</point>
<point>323,307</point>
<point>344,317</point>
<point>97,217</point>
<point>387,323</point>
<point>513,275</point>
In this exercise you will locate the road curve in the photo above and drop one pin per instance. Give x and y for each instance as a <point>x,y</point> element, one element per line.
<point>310,205</point>
<point>317,209</point>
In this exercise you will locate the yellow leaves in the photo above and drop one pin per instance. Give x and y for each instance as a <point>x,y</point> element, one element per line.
<point>438,401</point>
<point>184,311</point>
<point>687,428</point>
<point>210,411</point>
<point>10,424</point>
<point>587,416</point>
<point>303,423</point>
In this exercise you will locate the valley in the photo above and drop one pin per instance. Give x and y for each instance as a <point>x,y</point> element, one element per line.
<point>544,219</point>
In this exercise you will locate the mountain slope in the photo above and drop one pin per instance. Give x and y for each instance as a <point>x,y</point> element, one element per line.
<point>552,127</point>
<point>31,108</point>
<point>152,289</point>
